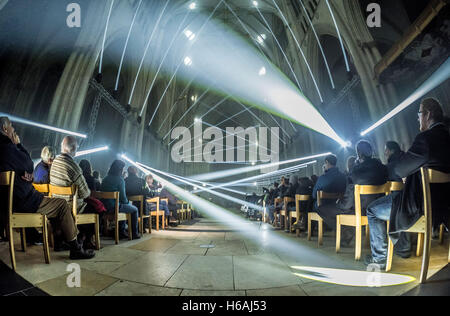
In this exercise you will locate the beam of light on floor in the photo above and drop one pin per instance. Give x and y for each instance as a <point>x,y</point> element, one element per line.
<point>260,234</point>
<point>352,277</point>
<point>91,151</point>
<point>238,171</point>
<point>19,120</point>
<point>436,79</point>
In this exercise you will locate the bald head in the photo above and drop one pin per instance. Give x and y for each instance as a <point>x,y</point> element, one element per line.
<point>69,146</point>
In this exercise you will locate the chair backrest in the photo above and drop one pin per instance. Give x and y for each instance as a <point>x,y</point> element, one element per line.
<point>430,176</point>
<point>41,188</point>
<point>7,180</point>
<point>368,190</point>
<point>108,196</point>
<point>301,198</point>
<point>138,198</point>
<point>71,192</point>
<point>154,200</point>
<point>321,195</point>
<point>397,186</point>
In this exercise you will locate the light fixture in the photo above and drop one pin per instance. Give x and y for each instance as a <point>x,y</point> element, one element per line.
<point>262,71</point>
<point>192,6</point>
<point>189,34</point>
<point>255,3</point>
<point>188,61</point>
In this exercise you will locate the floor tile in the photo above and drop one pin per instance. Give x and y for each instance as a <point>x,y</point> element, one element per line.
<point>126,288</point>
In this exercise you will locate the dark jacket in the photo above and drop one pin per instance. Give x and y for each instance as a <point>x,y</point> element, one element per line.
<point>369,172</point>
<point>165,194</point>
<point>93,184</point>
<point>114,184</point>
<point>333,181</point>
<point>391,167</point>
<point>16,158</point>
<point>430,149</point>
<point>41,173</point>
<point>136,186</point>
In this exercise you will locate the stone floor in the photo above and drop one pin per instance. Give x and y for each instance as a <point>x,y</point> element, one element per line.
<point>208,258</point>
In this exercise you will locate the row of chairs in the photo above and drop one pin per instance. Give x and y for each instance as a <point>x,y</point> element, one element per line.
<point>423,226</point>
<point>21,221</point>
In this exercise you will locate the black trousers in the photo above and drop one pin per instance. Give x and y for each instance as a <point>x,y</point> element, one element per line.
<point>329,212</point>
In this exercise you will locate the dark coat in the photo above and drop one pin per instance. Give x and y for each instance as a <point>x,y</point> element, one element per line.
<point>391,167</point>
<point>369,172</point>
<point>430,149</point>
<point>136,186</point>
<point>333,181</point>
<point>16,158</point>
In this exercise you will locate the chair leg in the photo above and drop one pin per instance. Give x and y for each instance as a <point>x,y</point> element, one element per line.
<point>358,242</point>
<point>163,221</point>
<point>23,239</point>
<point>130,227</point>
<point>367,236</point>
<point>45,239</point>
<point>426,258</point>
<point>117,231</point>
<point>420,244</point>
<point>51,238</point>
<point>441,234</point>
<point>390,251</point>
<point>141,222</point>
<point>320,232</point>
<point>11,248</point>
<point>97,232</point>
<point>338,234</point>
<point>309,227</point>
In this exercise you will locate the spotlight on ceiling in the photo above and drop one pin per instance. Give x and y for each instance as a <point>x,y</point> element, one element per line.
<point>192,6</point>
<point>255,3</point>
<point>188,61</point>
<point>262,71</point>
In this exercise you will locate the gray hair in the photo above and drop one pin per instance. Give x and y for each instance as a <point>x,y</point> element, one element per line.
<point>69,145</point>
<point>4,121</point>
<point>48,153</point>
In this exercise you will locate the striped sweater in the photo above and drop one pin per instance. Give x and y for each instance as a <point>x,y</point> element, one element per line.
<point>65,173</point>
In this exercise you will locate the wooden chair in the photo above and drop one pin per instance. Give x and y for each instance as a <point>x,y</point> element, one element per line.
<point>298,199</point>
<point>142,216</point>
<point>42,188</point>
<point>284,213</point>
<point>315,217</point>
<point>118,217</point>
<point>180,211</point>
<point>22,221</point>
<point>276,212</point>
<point>358,221</point>
<point>424,225</point>
<point>80,219</point>
<point>157,213</point>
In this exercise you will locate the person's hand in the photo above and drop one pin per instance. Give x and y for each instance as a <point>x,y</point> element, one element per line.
<point>16,139</point>
<point>27,177</point>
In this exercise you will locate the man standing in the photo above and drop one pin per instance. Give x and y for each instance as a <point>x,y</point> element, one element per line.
<point>430,149</point>
<point>14,157</point>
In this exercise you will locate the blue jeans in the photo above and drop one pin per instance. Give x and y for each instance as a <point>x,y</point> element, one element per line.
<point>133,210</point>
<point>378,213</point>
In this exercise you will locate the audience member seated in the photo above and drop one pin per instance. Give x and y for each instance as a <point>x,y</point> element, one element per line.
<point>97,178</point>
<point>172,206</point>
<point>15,158</point>
<point>92,183</point>
<point>351,161</point>
<point>115,183</point>
<point>290,193</point>
<point>305,187</point>
<point>153,188</point>
<point>332,181</point>
<point>314,178</point>
<point>41,173</point>
<point>430,149</point>
<point>367,171</point>
<point>66,173</point>
<point>270,201</point>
